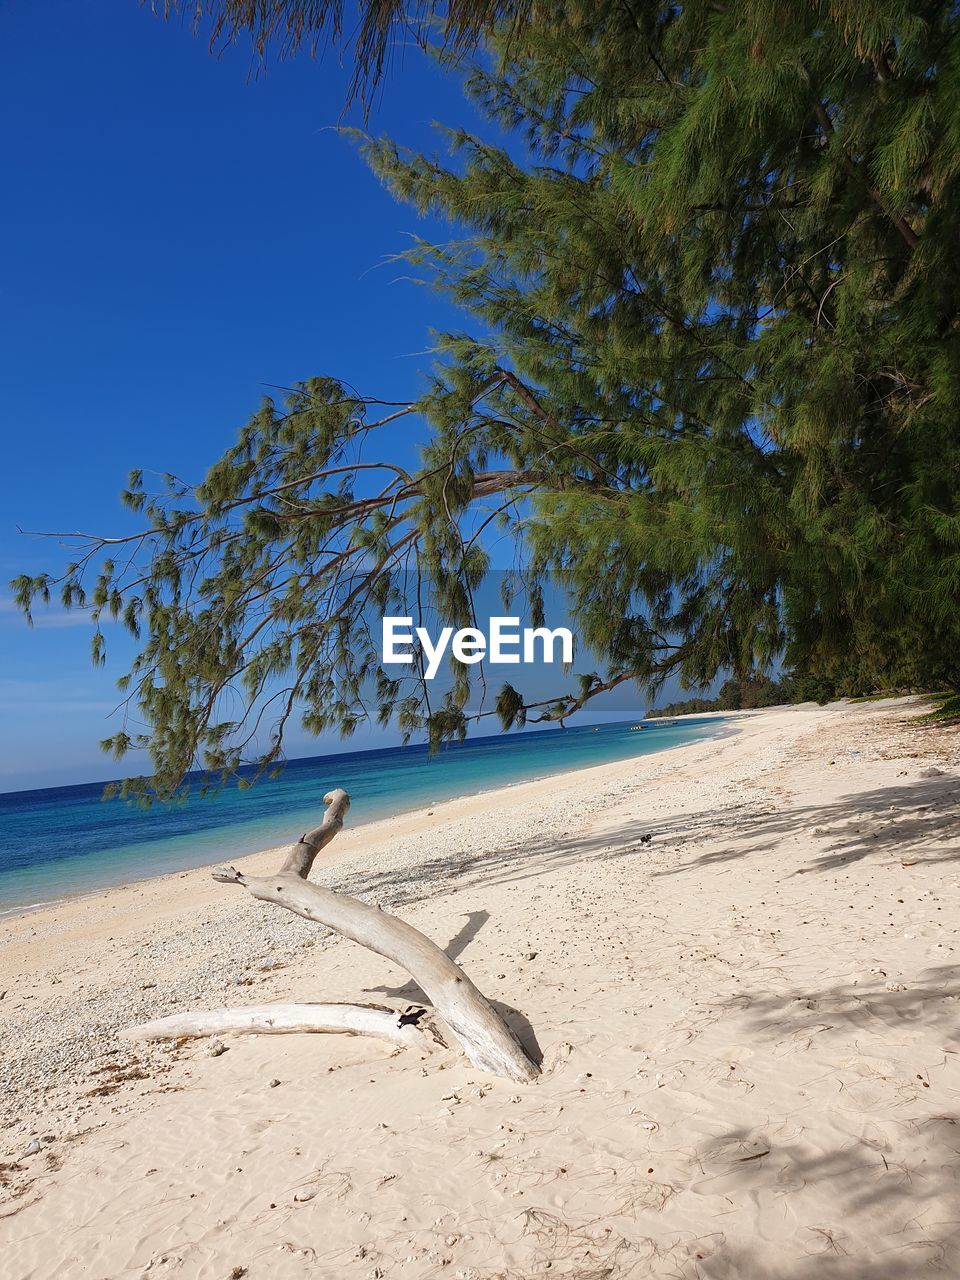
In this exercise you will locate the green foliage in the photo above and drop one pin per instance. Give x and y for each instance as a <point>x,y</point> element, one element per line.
<point>735,695</point>
<point>726,262</point>
<point>712,383</point>
<point>949,709</point>
<point>368,30</point>
<point>685,707</point>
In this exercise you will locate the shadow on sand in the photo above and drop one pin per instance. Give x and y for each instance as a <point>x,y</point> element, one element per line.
<point>903,820</point>
<point>902,1184</point>
<point>515,1020</point>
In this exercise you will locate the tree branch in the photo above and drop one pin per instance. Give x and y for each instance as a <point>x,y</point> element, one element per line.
<point>485,1038</point>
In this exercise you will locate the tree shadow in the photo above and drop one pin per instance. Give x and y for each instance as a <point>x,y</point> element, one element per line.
<point>475,920</point>
<point>898,1189</point>
<point>829,1258</point>
<point>907,820</point>
<point>522,1028</point>
<point>413,993</point>
<point>901,1191</point>
<point>915,820</point>
<point>410,991</point>
<point>846,1007</point>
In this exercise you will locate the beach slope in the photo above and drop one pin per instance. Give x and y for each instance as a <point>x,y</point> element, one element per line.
<point>749,1026</point>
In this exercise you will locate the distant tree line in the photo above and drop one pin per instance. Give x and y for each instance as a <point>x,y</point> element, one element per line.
<point>735,695</point>
<point>764,691</point>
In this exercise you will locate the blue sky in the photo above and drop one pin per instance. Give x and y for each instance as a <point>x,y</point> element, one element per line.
<point>177,236</point>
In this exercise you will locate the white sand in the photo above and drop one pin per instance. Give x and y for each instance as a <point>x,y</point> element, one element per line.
<point>750,1030</point>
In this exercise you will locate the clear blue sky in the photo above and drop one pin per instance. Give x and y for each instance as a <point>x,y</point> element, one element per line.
<point>176,236</point>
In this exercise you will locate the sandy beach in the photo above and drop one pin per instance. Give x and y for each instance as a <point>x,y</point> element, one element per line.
<point>748,1023</point>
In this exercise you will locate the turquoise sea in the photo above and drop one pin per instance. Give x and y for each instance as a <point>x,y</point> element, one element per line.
<point>61,841</point>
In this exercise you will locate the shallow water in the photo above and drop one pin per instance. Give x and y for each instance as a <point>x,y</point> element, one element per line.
<point>65,840</point>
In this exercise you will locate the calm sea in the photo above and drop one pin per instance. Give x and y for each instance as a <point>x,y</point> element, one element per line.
<point>61,841</point>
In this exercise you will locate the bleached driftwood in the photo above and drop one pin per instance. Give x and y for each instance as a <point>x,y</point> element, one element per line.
<point>268,1019</point>
<point>485,1038</point>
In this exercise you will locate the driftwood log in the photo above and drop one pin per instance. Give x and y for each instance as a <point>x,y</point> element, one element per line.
<point>267,1019</point>
<point>485,1038</point>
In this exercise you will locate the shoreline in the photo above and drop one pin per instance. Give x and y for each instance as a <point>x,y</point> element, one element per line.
<point>560,776</point>
<point>740,960</point>
<point>91,974</point>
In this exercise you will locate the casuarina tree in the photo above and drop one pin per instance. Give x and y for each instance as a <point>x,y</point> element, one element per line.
<point>707,382</point>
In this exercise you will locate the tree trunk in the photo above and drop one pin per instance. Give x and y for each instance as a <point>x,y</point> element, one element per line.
<point>485,1038</point>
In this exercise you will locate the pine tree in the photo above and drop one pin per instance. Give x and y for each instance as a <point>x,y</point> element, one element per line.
<point>287,27</point>
<point>731,245</point>
<point>713,286</point>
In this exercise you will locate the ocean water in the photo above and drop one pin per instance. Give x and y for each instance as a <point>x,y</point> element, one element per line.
<point>61,841</point>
